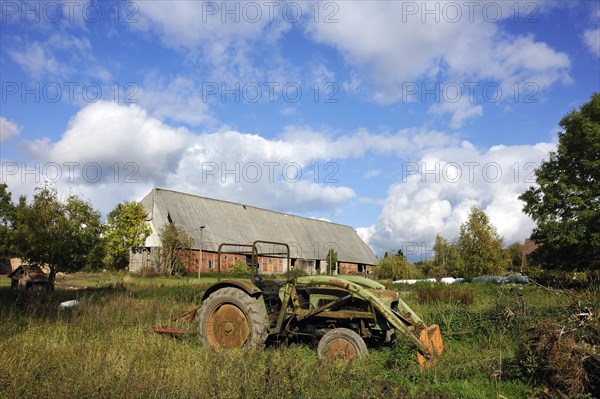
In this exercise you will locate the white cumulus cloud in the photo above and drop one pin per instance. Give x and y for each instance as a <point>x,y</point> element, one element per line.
<point>8,129</point>
<point>460,110</point>
<point>119,151</point>
<point>179,99</point>
<point>436,193</point>
<point>107,133</point>
<point>398,44</point>
<point>592,40</point>
<point>112,151</point>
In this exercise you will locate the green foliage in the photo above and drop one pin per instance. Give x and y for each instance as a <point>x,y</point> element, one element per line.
<point>426,267</point>
<point>331,259</point>
<point>296,272</point>
<point>460,322</point>
<point>447,259</point>
<point>480,247</point>
<point>477,251</point>
<point>565,204</point>
<point>126,229</point>
<point>175,253</point>
<point>86,246</point>
<point>64,235</point>
<point>7,214</point>
<point>395,267</point>
<point>514,252</point>
<point>238,269</point>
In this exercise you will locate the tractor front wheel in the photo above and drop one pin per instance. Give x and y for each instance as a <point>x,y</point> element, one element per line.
<point>342,344</point>
<point>230,318</point>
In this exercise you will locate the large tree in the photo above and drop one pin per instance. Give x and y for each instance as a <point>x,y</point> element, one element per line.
<point>126,229</point>
<point>565,203</point>
<point>64,235</point>
<point>480,246</point>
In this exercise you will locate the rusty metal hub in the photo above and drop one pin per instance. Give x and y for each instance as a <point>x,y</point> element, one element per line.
<point>227,327</point>
<point>340,349</point>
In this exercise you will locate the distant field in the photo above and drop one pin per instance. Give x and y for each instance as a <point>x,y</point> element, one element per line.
<point>105,348</point>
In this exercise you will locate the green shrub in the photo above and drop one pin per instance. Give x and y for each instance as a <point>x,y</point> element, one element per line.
<point>562,279</point>
<point>297,272</point>
<point>395,267</point>
<point>238,269</point>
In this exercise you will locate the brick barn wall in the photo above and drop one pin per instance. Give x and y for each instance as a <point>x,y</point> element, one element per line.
<point>210,264</point>
<point>268,265</point>
<point>346,268</point>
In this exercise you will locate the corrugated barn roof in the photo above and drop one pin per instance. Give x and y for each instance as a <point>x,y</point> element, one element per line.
<point>229,222</point>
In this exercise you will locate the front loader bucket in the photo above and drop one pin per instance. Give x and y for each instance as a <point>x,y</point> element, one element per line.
<point>431,337</point>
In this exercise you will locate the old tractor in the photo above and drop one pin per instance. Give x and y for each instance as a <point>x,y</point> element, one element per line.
<point>343,315</point>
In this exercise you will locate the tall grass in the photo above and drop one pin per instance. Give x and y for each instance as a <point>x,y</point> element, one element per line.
<point>104,348</point>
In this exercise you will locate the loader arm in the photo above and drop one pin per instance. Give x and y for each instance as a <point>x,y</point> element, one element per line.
<point>427,339</point>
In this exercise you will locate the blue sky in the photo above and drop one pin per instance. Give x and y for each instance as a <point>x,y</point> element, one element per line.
<point>393,117</point>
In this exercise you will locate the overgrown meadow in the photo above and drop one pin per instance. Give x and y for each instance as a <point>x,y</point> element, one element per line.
<point>505,341</point>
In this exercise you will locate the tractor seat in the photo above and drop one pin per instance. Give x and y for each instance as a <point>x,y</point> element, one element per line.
<point>268,287</point>
<point>258,281</point>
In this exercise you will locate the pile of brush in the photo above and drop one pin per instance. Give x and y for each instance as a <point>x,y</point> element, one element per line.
<point>564,357</point>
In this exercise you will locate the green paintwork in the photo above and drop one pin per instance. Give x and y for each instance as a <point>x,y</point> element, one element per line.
<point>362,281</point>
<point>365,282</point>
<point>361,287</point>
<point>364,293</point>
<point>405,320</point>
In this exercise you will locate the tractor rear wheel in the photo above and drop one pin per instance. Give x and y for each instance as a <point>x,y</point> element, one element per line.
<point>230,318</point>
<point>342,344</point>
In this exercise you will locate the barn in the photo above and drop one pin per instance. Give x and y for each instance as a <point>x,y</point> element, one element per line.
<point>211,222</point>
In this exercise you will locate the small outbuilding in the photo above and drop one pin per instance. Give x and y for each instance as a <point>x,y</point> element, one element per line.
<point>29,277</point>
